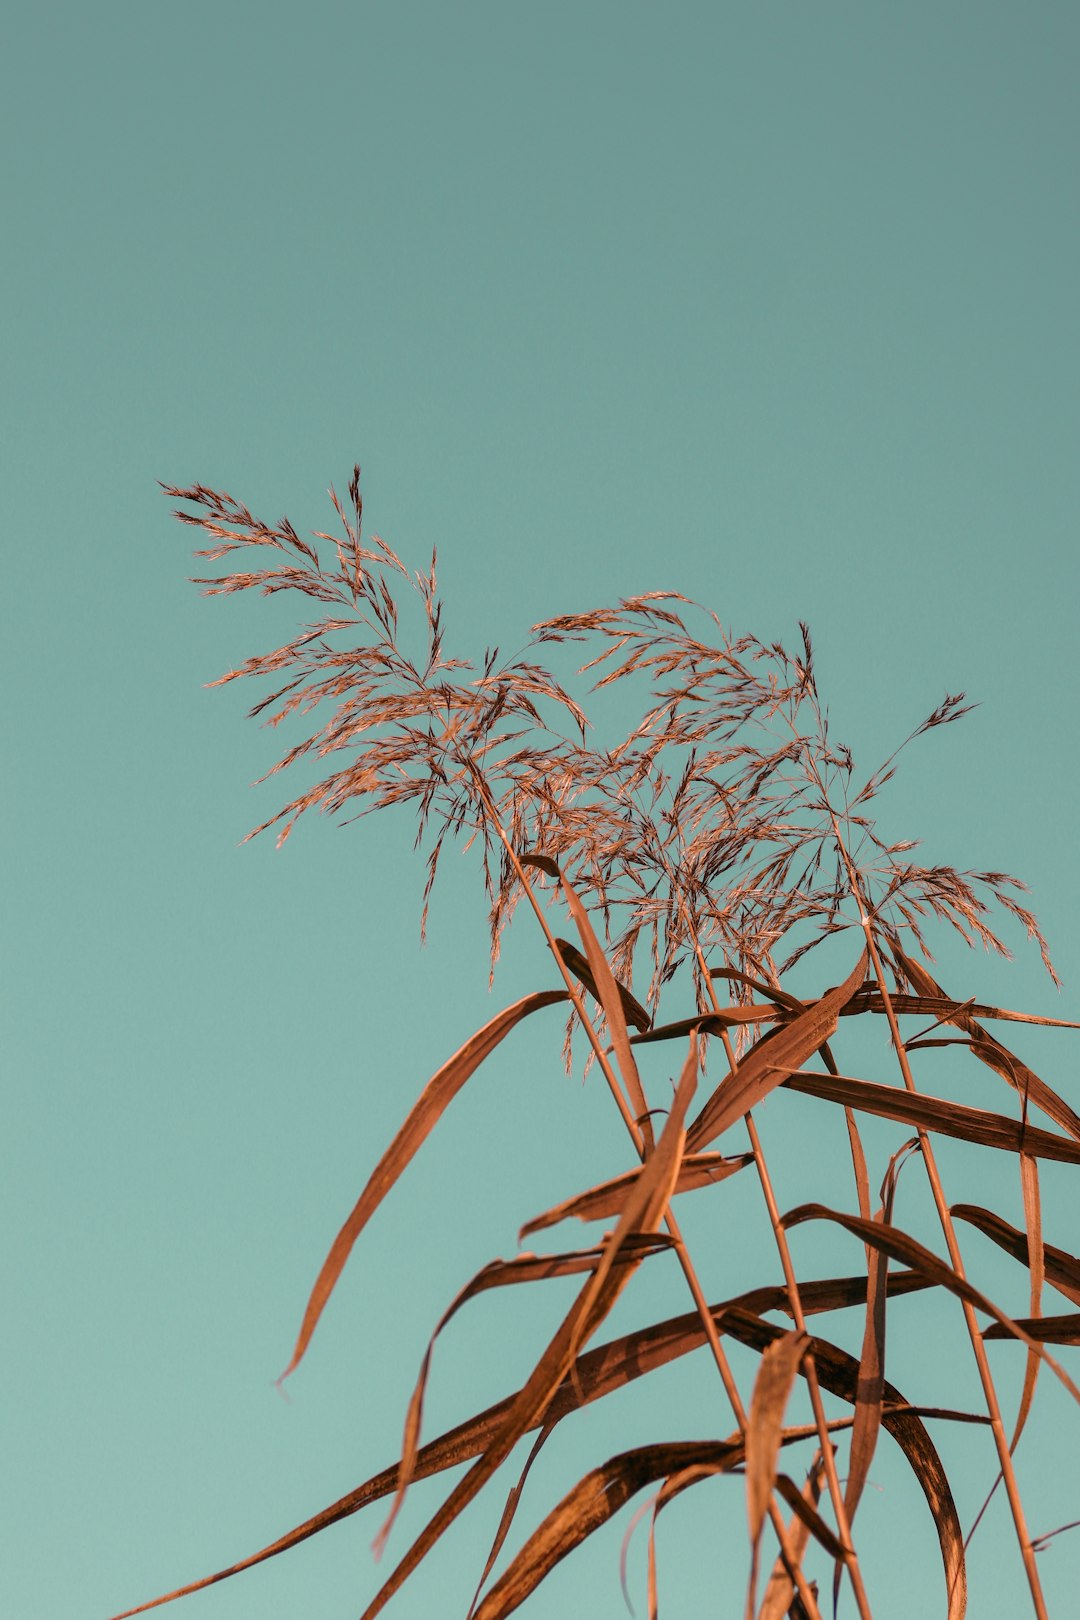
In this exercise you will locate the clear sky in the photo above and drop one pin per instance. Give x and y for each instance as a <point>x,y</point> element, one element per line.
<point>775,305</point>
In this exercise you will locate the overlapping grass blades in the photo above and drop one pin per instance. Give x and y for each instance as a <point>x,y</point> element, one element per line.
<point>718,842</point>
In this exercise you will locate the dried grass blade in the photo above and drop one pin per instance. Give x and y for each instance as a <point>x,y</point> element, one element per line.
<point>509,1512</point>
<point>772,1389</point>
<point>592,1502</point>
<point>497,1274</point>
<point>943,1008</point>
<point>780,1589</point>
<point>595,1374</point>
<point>1029,1180</point>
<point>707,1023</point>
<point>1046,1329</point>
<point>611,1001</point>
<point>608,1197</point>
<point>901,1246</point>
<point>806,1515</point>
<point>768,1063</point>
<point>425,1114</point>
<point>1060,1269</point>
<point>779,998</point>
<point>994,1054</point>
<point>871,1385</point>
<point>633,1011</point>
<point>839,1373</point>
<point>643,1212</point>
<point>975,1125</point>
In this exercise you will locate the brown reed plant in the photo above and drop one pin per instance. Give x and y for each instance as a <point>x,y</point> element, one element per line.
<point>726,834</point>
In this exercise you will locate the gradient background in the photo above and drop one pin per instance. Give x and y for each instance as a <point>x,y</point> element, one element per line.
<point>775,305</point>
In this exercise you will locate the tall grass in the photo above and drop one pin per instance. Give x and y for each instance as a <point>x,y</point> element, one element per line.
<point>701,856</point>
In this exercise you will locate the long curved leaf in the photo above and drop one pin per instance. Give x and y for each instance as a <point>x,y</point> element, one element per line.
<point>838,1372</point>
<point>607,1199</point>
<point>768,1063</point>
<point>934,1114</point>
<point>526,1268</point>
<point>1046,1329</point>
<point>424,1115</point>
<point>781,1588</point>
<point>1029,1177</point>
<point>633,1011</point>
<point>595,1499</point>
<point>643,1212</point>
<point>945,1009</point>
<point>993,1053</point>
<point>611,999</point>
<point>901,1246</point>
<point>764,1430</point>
<point>595,1373</point>
<point>1061,1269</point>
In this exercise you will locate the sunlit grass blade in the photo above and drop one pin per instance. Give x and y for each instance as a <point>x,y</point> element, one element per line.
<point>768,1063</point>
<point>608,1197</point>
<point>945,1010</point>
<point>973,1125</point>
<point>838,1372</point>
<point>590,1504</point>
<point>996,1056</point>
<point>780,1589</point>
<point>1060,1269</point>
<point>611,1000</point>
<point>1044,1329</point>
<point>1029,1178</point>
<point>424,1115</point>
<point>633,1012</point>
<point>643,1212</point>
<point>772,1388</point>
<point>901,1246</point>
<point>595,1373</point>
<point>499,1274</point>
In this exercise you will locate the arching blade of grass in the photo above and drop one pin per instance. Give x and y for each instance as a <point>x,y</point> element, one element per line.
<point>772,1388</point>
<point>780,1590</point>
<point>1061,1269</point>
<point>607,1199</point>
<point>1044,1329</point>
<point>838,1372</point>
<point>644,1210</point>
<point>595,1373</point>
<point>500,1274</point>
<point>768,1063</point>
<point>424,1115</point>
<point>945,1010</point>
<point>1029,1177</point>
<point>633,1012</point>
<point>973,1125</point>
<point>993,1053</point>
<point>901,1246</point>
<point>595,1500</point>
<point>611,999</point>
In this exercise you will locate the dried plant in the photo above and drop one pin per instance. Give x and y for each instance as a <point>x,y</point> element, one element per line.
<point>728,835</point>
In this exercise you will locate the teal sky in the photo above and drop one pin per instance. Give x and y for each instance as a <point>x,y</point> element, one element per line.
<point>774,305</point>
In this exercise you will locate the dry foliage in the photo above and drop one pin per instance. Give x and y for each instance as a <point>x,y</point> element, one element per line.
<point>726,834</point>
